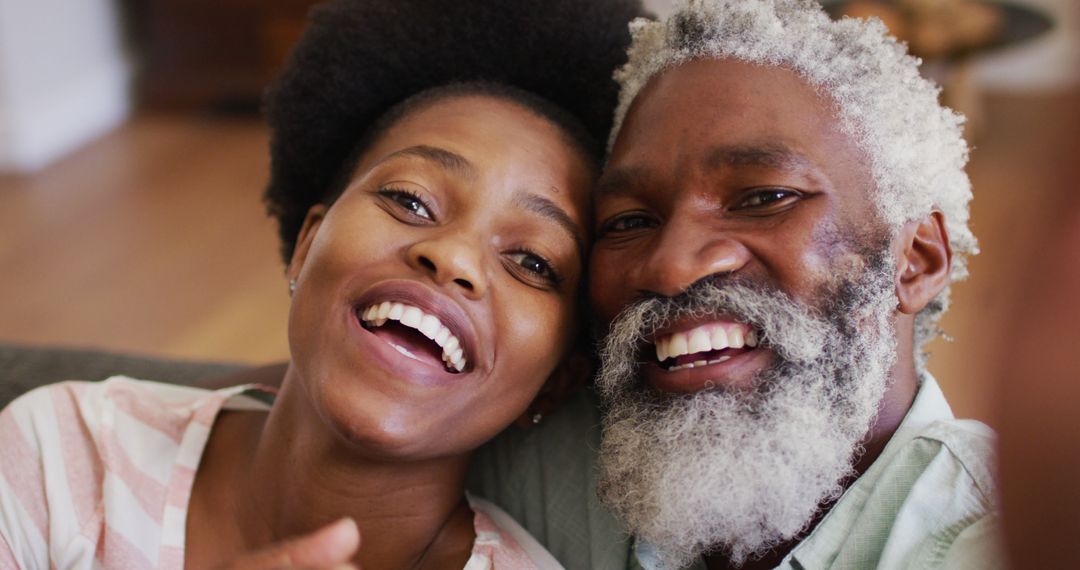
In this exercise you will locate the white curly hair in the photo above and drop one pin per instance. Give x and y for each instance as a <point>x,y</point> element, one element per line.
<point>914,144</point>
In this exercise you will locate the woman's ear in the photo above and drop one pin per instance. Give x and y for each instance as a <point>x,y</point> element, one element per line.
<point>567,378</point>
<point>312,221</point>
<point>924,264</point>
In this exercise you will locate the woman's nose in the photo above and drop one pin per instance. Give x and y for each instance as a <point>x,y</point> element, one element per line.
<point>450,261</point>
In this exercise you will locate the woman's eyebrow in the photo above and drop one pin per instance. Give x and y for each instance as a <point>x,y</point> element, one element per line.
<point>445,159</point>
<point>550,210</point>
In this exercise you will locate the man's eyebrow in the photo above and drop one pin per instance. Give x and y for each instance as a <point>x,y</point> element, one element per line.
<point>617,181</point>
<point>769,155</point>
<point>445,159</point>
<point>550,210</point>
<point>775,156</point>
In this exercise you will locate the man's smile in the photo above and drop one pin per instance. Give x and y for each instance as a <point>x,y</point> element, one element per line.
<point>698,355</point>
<point>706,344</point>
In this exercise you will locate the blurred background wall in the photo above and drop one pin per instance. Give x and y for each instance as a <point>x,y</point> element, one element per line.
<point>132,159</point>
<point>1048,63</point>
<point>64,78</point>
<point>1051,62</point>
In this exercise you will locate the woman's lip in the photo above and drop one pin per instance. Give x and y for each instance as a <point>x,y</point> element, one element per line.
<point>431,302</point>
<point>388,358</point>
<point>737,373</point>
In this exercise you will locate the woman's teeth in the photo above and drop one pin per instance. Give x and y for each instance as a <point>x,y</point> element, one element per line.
<point>705,338</point>
<point>453,354</point>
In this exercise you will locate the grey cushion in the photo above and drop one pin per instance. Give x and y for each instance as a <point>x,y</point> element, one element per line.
<point>23,368</point>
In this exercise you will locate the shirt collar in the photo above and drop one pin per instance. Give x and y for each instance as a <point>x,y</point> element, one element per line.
<point>817,549</point>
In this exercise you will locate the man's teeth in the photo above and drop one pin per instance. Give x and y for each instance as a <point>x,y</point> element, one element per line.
<point>704,339</point>
<point>697,363</point>
<point>428,325</point>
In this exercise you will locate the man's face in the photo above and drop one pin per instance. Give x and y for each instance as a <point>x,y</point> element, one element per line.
<point>722,167</point>
<point>734,209</point>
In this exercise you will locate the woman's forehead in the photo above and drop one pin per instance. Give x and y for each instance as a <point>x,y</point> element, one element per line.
<point>478,137</point>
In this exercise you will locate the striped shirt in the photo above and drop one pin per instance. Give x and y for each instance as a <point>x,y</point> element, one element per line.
<point>99,474</point>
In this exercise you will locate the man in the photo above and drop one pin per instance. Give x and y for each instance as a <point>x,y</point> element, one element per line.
<point>782,212</point>
<point>777,175</point>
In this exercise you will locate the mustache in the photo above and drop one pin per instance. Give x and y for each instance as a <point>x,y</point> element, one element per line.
<point>657,311</point>
<point>764,307</point>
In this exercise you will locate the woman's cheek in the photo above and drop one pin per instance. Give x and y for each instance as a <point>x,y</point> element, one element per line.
<point>533,328</point>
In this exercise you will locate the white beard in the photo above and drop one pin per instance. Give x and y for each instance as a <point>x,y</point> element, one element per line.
<point>739,472</point>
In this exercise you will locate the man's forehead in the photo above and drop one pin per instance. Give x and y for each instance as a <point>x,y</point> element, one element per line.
<point>727,113</point>
<point>765,154</point>
<point>755,101</point>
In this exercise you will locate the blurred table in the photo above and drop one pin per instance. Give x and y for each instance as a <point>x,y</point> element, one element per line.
<point>949,35</point>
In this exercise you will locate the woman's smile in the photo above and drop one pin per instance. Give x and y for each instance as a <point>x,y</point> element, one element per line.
<point>398,323</point>
<point>427,328</point>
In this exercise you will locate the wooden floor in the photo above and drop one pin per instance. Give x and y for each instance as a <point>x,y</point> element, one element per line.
<point>153,240</point>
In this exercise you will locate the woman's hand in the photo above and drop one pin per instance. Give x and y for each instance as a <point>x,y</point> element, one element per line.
<point>330,547</point>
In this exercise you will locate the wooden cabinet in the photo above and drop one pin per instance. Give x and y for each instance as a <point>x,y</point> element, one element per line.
<point>208,53</point>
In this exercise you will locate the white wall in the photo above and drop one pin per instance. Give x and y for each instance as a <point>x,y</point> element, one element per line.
<point>1049,63</point>
<point>64,78</point>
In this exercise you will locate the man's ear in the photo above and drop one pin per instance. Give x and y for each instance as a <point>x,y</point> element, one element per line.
<point>567,378</point>
<point>924,263</point>
<point>312,221</point>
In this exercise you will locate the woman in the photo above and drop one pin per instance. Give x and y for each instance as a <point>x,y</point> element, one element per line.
<point>431,168</point>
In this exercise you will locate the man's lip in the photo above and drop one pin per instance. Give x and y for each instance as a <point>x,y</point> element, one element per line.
<point>687,324</point>
<point>418,295</point>
<point>737,373</point>
<point>659,343</point>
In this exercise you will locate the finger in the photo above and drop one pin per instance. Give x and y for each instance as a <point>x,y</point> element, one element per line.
<point>329,546</point>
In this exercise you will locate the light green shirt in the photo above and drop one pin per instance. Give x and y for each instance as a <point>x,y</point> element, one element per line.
<point>927,502</point>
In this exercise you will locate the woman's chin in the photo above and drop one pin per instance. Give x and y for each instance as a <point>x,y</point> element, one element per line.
<point>371,424</point>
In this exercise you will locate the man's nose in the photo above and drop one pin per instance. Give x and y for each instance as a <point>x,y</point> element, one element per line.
<point>688,251</point>
<point>450,260</point>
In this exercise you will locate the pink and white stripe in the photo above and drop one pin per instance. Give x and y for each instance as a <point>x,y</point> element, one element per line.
<point>98,475</point>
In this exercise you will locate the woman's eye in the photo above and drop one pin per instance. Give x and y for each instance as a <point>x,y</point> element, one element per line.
<point>534,264</point>
<point>408,201</point>
<point>766,198</point>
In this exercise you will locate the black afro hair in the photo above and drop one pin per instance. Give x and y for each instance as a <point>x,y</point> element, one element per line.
<point>360,58</point>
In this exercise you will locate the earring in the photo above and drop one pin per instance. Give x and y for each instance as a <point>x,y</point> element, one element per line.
<point>537,417</point>
<point>292,286</point>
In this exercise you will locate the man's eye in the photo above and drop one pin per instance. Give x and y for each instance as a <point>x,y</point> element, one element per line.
<point>535,264</point>
<point>409,201</point>
<point>626,223</point>
<point>766,198</point>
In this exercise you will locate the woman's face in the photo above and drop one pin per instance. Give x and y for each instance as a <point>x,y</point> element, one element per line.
<point>437,294</point>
